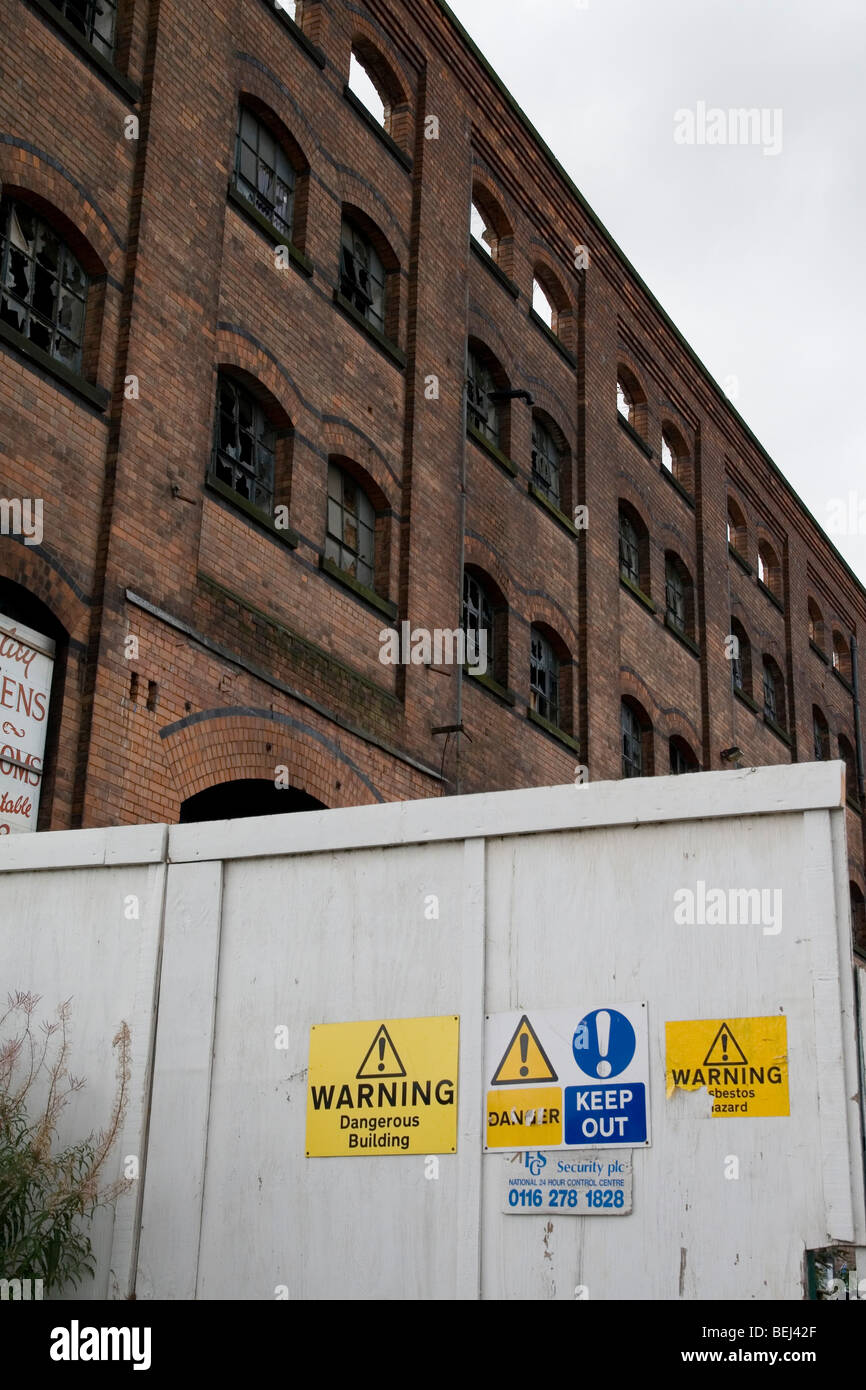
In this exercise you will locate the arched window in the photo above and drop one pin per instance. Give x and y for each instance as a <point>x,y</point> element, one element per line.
<point>841,655</point>
<point>675,457</point>
<point>244,445</point>
<point>543,678</point>
<point>489,227</point>
<point>633,548</point>
<point>43,287</point>
<point>350,540</point>
<point>95,20</point>
<point>774,693</point>
<point>485,416</point>
<point>246,796</point>
<point>362,85</point>
<point>682,759</point>
<point>737,533</point>
<point>820,736</point>
<point>631,400</point>
<point>849,758</point>
<point>816,625</point>
<point>362,274</point>
<point>547,459</point>
<point>264,174</point>
<point>485,611</point>
<point>679,596</point>
<point>636,732</point>
<point>769,571</point>
<point>858,919</point>
<point>542,305</point>
<point>36,648</point>
<point>740,658</point>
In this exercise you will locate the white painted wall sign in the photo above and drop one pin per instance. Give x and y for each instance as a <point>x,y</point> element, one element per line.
<point>26,668</point>
<point>567,1182</point>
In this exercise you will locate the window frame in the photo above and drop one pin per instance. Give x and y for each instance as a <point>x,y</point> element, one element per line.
<point>262,425</point>
<point>12,208</point>
<point>337,541</point>
<point>544,663</point>
<point>352,271</point>
<point>259,200</point>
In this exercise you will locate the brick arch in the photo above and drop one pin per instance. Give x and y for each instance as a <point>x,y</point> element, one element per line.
<point>35,174</point>
<point>254,78</point>
<point>234,349</point>
<point>633,685</point>
<point>543,613</point>
<point>223,745</point>
<point>366,205</point>
<point>38,573</point>
<point>673,722</point>
<point>476,553</point>
<point>340,442</point>
<point>632,493</point>
<point>490,336</point>
<point>552,411</point>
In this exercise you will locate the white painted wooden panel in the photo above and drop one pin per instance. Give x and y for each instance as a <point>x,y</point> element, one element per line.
<point>66,936</point>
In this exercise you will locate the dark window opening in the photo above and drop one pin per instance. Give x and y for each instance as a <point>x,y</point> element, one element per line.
<point>362,275</point>
<point>263,173</point>
<point>543,678</point>
<point>545,463</point>
<point>483,414</point>
<point>94,20</point>
<point>248,796</point>
<point>43,289</point>
<point>243,456</point>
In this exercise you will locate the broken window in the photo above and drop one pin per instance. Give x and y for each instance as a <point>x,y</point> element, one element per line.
<point>542,305</point>
<point>243,456</point>
<point>362,86</point>
<point>675,594</point>
<point>351,528</point>
<point>820,736</point>
<point>629,550</point>
<point>771,692</point>
<point>481,232</point>
<point>263,173</point>
<point>93,19</point>
<point>543,678</point>
<point>632,742</point>
<point>545,462</point>
<point>682,759</point>
<point>624,402</point>
<point>43,289</point>
<point>362,278</point>
<point>483,415</point>
<point>477,617</point>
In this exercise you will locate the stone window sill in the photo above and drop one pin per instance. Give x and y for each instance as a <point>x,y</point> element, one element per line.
<point>382,605</point>
<point>492,686</point>
<point>682,637</point>
<point>677,486</point>
<point>633,435</point>
<point>552,730</point>
<point>397,356</point>
<point>273,233</point>
<point>488,262</point>
<point>297,33</point>
<point>819,652</point>
<point>95,396</point>
<point>768,593</point>
<point>778,730</point>
<point>551,337</point>
<point>747,700</point>
<point>496,454</point>
<point>370,121</point>
<point>550,507</point>
<point>637,593</point>
<point>843,681</point>
<point>740,559</point>
<point>286,535</point>
<point>89,52</point>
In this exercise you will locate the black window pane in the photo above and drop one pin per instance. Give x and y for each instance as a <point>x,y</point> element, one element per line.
<point>44,286</point>
<point>93,19</point>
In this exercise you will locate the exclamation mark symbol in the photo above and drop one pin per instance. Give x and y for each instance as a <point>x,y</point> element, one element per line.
<point>524,1050</point>
<point>602,1029</point>
<point>381,1054</point>
<point>724,1047</point>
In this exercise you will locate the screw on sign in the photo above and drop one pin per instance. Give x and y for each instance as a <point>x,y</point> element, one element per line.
<point>604,1043</point>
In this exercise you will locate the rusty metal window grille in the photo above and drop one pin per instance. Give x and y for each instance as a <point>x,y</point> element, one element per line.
<point>263,173</point>
<point>243,456</point>
<point>362,277</point>
<point>43,289</point>
<point>543,678</point>
<point>351,530</point>
<point>632,742</point>
<point>545,462</point>
<point>629,550</point>
<point>93,19</point>
<point>483,415</point>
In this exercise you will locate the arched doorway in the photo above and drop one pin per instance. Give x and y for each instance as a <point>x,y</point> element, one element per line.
<point>246,796</point>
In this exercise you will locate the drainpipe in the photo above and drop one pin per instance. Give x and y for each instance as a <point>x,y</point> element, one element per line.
<point>858,740</point>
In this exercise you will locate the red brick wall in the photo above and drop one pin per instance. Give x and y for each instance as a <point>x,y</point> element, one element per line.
<point>250,656</point>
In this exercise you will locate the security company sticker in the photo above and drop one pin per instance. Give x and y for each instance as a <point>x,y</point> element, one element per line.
<point>570,1182</point>
<point>742,1062</point>
<point>388,1086</point>
<point>567,1078</point>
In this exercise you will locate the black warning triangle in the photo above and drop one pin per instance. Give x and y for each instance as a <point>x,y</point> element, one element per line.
<point>381,1059</point>
<point>727,1049</point>
<point>524,1059</point>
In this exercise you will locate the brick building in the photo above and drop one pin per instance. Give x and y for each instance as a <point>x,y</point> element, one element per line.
<point>239,306</point>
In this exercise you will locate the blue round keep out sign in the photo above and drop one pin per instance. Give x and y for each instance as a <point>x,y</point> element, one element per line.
<point>603,1043</point>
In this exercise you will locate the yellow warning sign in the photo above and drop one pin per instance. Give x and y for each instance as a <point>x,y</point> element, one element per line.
<point>384,1087</point>
<point>524,1059</point>
<point>742,1063</point>
<point>524,1119</point>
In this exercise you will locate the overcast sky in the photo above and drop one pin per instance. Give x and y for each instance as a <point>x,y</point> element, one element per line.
<point>757,258</point>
